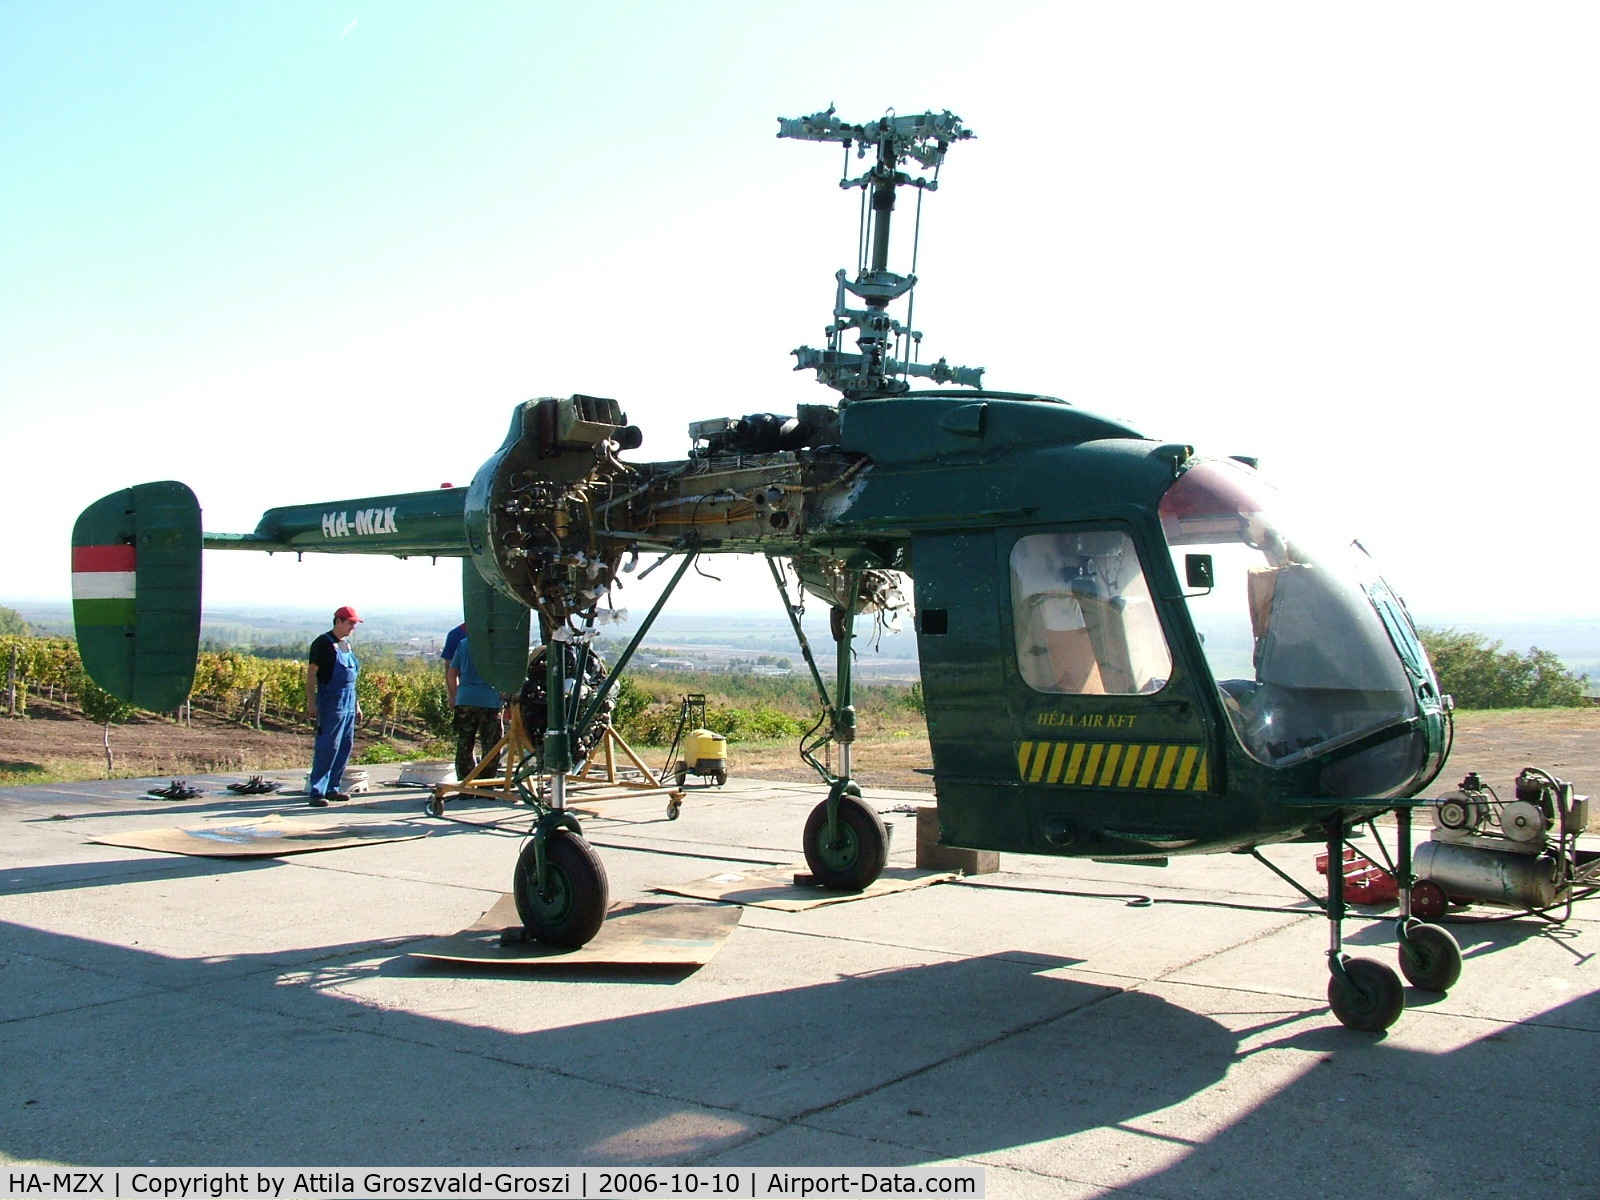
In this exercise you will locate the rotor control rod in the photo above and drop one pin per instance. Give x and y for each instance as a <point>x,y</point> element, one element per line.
<point>883,363</point>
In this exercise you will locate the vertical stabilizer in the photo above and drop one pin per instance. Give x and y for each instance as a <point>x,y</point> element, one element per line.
<point>497,631</point>
<point>136,592</point>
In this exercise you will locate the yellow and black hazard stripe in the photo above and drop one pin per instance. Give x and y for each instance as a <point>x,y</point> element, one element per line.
<point>1157,766</point>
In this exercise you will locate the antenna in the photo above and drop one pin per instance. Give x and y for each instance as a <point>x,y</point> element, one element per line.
<point>882,367</point>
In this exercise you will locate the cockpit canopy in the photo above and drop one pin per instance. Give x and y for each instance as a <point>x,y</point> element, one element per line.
<point>1308,647</point>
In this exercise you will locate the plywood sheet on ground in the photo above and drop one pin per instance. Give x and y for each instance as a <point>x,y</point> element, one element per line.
<point>268,837</point>
<point>775,887</point>
<point>641,935</point>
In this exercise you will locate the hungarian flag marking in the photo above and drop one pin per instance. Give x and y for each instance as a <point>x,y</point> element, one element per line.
<point>103,585</point>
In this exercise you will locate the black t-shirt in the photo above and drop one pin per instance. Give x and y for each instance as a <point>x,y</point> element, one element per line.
<point>325,653</point>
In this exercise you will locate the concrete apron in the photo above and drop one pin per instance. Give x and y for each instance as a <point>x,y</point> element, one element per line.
<point>156,1008</point>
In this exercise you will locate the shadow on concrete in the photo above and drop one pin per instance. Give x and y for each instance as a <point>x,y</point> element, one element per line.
<point>253,1071</point>
<point>22,881</point>
<point>1510,1114</point>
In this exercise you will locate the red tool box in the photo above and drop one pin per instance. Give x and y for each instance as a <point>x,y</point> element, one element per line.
<point>1365,882</point>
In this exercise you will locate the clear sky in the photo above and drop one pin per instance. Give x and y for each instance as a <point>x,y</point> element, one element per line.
<point>307,251</point>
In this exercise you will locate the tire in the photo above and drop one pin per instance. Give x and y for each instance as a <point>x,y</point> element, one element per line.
<point>436,806</point>
<point>1428,900</point>
<point>863,846</point>
<point>1430,957</point>
<point>681,775</point>
<point>720,777</point>
<point>674,809</point>
<point>1370,998</point>
<point>575,908</point>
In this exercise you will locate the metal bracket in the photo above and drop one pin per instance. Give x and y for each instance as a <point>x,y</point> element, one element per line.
<point>548,822</point>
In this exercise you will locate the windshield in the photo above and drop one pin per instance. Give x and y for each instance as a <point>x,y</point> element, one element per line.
<point>1299,652</point>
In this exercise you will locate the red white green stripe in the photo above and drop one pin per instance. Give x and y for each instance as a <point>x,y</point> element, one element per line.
<point>103,581</point>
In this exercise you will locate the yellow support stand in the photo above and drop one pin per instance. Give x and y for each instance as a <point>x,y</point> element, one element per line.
<point>516,746</point>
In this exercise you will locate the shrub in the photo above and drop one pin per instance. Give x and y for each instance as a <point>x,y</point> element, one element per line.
<point>1480,675</point>
<point>382,752</point>
<point>632,700</point>
<point>102,707</point>
<point>434,711</point>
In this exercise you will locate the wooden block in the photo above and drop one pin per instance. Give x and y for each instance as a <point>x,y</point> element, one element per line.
<point>931,856</point>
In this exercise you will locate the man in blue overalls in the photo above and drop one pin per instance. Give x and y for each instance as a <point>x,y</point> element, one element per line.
<point>331,704</point>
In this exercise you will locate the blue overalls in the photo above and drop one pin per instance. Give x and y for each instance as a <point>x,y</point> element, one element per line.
<point>336,723</point>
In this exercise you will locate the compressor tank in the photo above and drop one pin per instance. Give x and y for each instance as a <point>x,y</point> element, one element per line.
<point>1493,876</point>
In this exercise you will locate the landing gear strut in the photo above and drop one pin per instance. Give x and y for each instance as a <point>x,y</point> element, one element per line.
<point>1363,994</point>
<point>1367,995</point>
<point>845,842</point>
<point>560,884</point>
<point>1430,956</point>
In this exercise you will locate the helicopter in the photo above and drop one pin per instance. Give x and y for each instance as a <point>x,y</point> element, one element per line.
<point>1128,650</point>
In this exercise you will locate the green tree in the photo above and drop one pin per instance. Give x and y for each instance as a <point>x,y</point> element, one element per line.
<point>103,709</point>
<point>11,623</point>
<point>631,701</point>
<point>1479,674</point>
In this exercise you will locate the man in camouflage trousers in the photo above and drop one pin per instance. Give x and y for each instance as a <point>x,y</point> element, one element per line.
<point>477,713</point>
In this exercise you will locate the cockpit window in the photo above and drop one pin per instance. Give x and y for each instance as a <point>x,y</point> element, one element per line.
<point>1085,624</point>
<point>1293,639</point>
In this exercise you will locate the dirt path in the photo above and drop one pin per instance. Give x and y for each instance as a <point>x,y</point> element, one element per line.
<point>1563,741</point>
<point>54,743</point>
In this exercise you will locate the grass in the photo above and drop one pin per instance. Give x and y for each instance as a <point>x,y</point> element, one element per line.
<point>31,774</point>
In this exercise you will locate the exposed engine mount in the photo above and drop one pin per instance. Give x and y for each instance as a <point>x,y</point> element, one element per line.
<point>555,517</point>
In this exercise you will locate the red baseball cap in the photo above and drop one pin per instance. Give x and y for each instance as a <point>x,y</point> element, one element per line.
<point>346,613</point>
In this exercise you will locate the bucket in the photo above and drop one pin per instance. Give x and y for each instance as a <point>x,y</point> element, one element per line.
<point>427,772</point>
<point>354,781</point>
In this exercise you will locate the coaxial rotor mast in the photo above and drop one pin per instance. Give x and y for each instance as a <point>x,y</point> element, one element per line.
<point>883,366</point>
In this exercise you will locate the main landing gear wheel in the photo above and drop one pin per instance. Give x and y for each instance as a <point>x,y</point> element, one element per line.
<point>856,857</point>
<point>1430,957</point>
<point>573,907</point>
<point>1369,997</point>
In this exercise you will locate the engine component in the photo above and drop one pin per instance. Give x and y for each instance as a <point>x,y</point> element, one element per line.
<point>765,433</point>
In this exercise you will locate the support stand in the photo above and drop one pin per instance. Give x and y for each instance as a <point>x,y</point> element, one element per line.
<point>605,767</point>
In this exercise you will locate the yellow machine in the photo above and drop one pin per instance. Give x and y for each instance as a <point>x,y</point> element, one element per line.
<point>705,753</point>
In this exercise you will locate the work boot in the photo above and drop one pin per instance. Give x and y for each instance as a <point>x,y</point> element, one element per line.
<point>318,800</point>
<point>339,797</point>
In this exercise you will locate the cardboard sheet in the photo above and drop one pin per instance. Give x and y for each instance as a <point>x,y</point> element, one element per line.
<point>775,887</point>
<point>687,935</point>
<point>271,836</point>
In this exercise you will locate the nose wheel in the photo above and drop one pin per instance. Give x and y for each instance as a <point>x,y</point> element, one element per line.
<point>1365,995</point>
<point>1368,995</point>
<point>1430,956</point>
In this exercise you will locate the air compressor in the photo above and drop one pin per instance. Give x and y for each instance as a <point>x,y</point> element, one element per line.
<point>1520,853</point>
